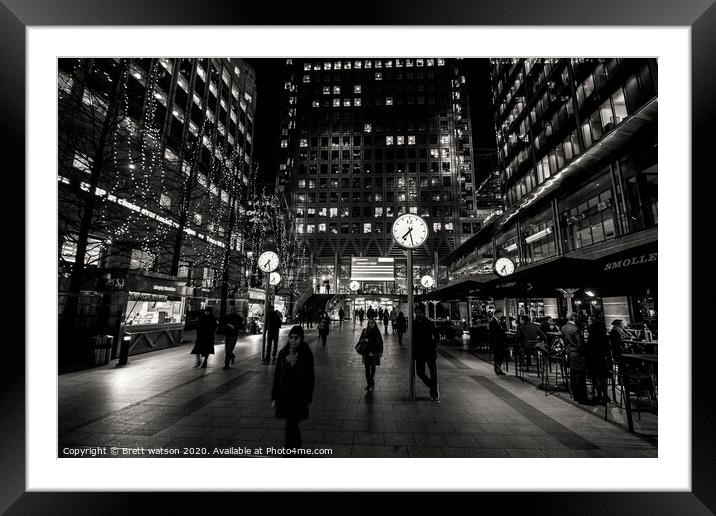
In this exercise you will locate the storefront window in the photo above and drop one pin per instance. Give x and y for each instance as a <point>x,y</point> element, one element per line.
<point>587,216</point>
<point>153,309</point>
<point>538,235</point>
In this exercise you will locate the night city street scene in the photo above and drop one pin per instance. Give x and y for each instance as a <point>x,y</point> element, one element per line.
<point>343,257</point>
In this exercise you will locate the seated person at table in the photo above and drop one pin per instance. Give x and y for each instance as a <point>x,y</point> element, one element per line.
<point>528,333</point>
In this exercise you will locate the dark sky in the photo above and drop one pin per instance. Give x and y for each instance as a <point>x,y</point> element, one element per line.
<point>269,81</point>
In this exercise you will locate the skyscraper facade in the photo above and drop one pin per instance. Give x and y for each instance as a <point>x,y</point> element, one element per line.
<point>578,161</point>
<point>152,174</point>
<point>365,140</point>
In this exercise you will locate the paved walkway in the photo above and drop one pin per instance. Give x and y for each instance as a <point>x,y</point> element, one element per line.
<point>161,400</point>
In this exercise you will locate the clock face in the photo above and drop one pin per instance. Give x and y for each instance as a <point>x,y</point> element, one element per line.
<point>275,278</point>
<point>426,281</point>
<point>410,231</point>
<point>268,261</point>
<point>504,267</point>
<point>354,285</point>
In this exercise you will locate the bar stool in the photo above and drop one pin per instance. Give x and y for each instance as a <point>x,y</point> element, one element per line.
<point>638,382</point>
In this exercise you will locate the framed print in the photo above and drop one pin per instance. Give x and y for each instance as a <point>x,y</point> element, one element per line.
<point>325,193</point>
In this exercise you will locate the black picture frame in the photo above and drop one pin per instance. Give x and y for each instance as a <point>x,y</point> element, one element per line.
<point>17,15</point>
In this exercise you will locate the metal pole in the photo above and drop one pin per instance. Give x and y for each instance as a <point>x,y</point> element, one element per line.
<point>266,301</point>
<point>411,374</point>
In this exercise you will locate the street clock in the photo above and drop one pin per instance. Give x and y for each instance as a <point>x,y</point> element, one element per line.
<point>410,231</point>
<point>268,261</point>
<point>504,267</point>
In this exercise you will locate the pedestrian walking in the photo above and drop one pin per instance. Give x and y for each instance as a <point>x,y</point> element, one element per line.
<point>361,316</point>
<point>386,321</point>
<point>400,326</point>
<point>498,340</point>
<point>324,326</point>
<point>309,317</point>
<point>293,383</point>
<point>393,315</point>
<point>372,351</point>
<point>371,313</point>
<point>576,358</point>
<point>425,342</point>
<point>341,315</point>
<point>273,325</point>
<point>205,331</point>
<point>232,325</point>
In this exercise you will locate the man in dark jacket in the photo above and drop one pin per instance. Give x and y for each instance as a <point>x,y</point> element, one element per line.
<point>528,333</point>
<point>498,341</point>
<point>576,358</point>
<point>232,326</point>
<point>425,342</point>
<point>273,324</point>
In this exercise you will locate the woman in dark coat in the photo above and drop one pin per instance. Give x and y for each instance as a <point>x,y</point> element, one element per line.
<point>386,321</point>
<point>293,385</point>
<point>372,351</point>
<point>324,327</point>
<point>616,338</point>
<point>204,344</point>
<point>400,326</point>
<point>598,356</point>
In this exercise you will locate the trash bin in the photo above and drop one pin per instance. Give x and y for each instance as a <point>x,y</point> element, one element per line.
<point>124,349</point>
<point>101,349</point>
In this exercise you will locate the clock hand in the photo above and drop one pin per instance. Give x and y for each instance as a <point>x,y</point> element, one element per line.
<point>267,263</point>
<point>411,240</point>
<point>407,233</point>
<point>503,269</point>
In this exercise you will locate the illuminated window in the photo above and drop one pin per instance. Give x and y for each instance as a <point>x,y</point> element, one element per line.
<point>299,227</point>
<point>356,102</point>
<point>306,78</point>
<point>367,128</point>
<point>441,62</point>
<point>437,226</point>
<point>411,140</point>
<point>368,64</point>
<point>366,227</point>
<point>165,201</point>
<point>197,219</point>
<point>333,212</point>
<point>434,153</point>
<point>337,65</point>
<point>378,76</point>
<point>444,140</point>
<point>388,101</point>
<point>322,227</point>
<point>326,90</point>
<point>82,162</point>
<point>284,144</point>
<point>336,90</point>
<point>401,140</point>
<point>310,228</point>
<point>346,102</point>
<point>316,103</point>
<point>389,63</point>
<point>304,142</point>
<point>336,102</point>
<point>389,140</point>
<point>430,62</point>
<point>379,212</point>
<point>327,65</point>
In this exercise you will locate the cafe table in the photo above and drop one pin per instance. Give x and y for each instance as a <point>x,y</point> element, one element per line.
<point>650,362</point>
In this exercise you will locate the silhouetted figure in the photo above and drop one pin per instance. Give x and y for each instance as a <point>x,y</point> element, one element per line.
<point>204,344</point>
<point>293,384</point>
<point>372,351</point>
<point>341,315</point>
<point>273,325</point>
<point>400,326</point>
<point>324,326</point>
<point>232,325</point>
<point>576,358</point>
<point>498,340</point>
<point>425,342</point>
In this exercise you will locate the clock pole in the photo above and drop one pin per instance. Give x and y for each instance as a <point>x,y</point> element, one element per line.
<point>411,373</point>
<point>266,300</point>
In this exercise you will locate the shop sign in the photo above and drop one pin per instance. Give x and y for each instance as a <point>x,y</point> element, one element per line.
<point>156,285</point>
<point>628,262</point>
